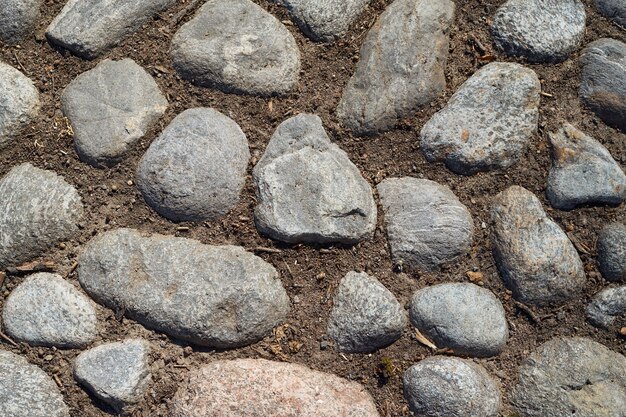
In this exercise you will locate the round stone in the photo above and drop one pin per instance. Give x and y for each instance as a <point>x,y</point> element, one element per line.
<point>606,306</point>
<point>611,249</point>
<point>18,18</point>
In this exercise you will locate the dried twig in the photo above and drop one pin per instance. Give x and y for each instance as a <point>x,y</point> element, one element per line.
<point>424,341</point>
<point>267,250</point>
<point>527,310</point>
<point>8,339</point>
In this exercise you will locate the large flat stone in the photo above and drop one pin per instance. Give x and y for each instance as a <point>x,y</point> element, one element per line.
<point>614,10</point>
<point>18,18</point>
<point>19,103</point>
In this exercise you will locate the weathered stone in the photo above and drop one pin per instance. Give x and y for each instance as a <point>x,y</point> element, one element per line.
<point>611,249</point>
<point>450,387</point>
<point>196,169</point>
<point>488,123</point>
<point>570,376</point>
<point>256,387</point>
<point>606,306</point>
<point>535,258</point>
<point>88,28</point>
<point>366,316</point>
<point>237,47</point>
<point>37,209</point>
<point>218,296</point>
<point>402,65</point>
<point>427,225</point>
<point>614,10</point>
<point>462,316</point>
<point>540,30</point>
<point>19,103</point>
<point>111,107</point>
<point>46,310</point>
<point>308,189</point>
<point>17,19</point>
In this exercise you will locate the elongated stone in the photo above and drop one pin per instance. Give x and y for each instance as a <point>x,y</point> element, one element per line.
<point>19,103</point>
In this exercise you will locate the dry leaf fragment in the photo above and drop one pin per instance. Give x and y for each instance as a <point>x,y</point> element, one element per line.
<point>424,341</point>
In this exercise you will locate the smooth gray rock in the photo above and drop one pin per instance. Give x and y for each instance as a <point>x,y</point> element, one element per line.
<point>366,316</point>
<point>117,373</point>
<point>606,306</point>
<point>26,390</point>
<point>540,30</point>
<point>196,168</point>
<point>614,10</point>
<point>402,66</point>
<point>462,316</point>
<point>488,123</point>
<point>536,259</point>
<point>37,209</point>
<point>450,387</point>
<point>571,376</point>
<point>308,189</point>
<point>603,81</point>
<point>111,107</point>
<point>611,249</point>
<point>46,310</point>
<point>427,225</point>
<point>19,103</point>
<point>88,28</point>
<point>238,47</point>
<point>18,18</point>
<point>217,296</point>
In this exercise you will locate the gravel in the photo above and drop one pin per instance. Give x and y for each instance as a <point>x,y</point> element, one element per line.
<point>19,102</point>
<point>18,19</point>
<point>606,306</point>
<point>611,249</point>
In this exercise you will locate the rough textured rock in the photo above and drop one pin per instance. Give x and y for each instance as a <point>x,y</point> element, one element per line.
<point>366,316</point>
<point>462,316</point>
<point>427,225</point>
<point>17,19</point>
<point>571,376</point>
<point>308,189</point>
<point>450,387</point>
<point>111,107</point>
<point>37,209</point>
<point>256,387</point>
<point>606,306</point>
<point>19,102</point>
<point>614,10</point>
<point>238,47</point>
<point>402,65</point>
<point>117,373</point>
<point>537,262</point>
<point>611,249</point>
<point>488,123</point>
<point>196,169</point>
<point>540,30</point>
<point>26,390</point>
<point>603,80</point>
<point>46,310</point>
<point>218,296</point>
<point>88,28</point>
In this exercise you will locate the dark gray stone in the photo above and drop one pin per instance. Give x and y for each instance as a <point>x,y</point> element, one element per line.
<point>18,18</point>
<point>611,249</point>
<point>19,103</point>
<point>402,65</point>
<point>614,10</point>
<point>606,306</point>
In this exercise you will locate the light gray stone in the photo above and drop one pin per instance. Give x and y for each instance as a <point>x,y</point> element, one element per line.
<point>450,387</point>
<point>606,306</point>
<point>196,169</point>
<point>19,103</point>
<point>427,225</point>
<point>402,66</point>
<point>308,189</point>
<point>536,260</point>
<point>18,18</point>
<point>46,310</point>
<point>540,30</point>
<point>237,47</point>
<point>117,373</point>
<point>88,28</point>
<point>217,296</point>
<point>611,249</point>
<point>488,123</point>
<point>111,107</point>
<point>366,316</point>
<point>462,316</point>
<point>37,209</point>
<point>614,10</point>
<point>571,376</point>
<point>26,390</point>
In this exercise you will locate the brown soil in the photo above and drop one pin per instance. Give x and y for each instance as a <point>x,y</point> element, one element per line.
<point>311,274</point>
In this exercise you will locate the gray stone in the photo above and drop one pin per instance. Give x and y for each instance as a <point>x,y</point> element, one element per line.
<point>26,390</point>
<point>117,373</point>
<point>402,66</point>
<point>488,123</point>
<point>46,310</point>
<point>603,81</point>
<point>606,306</point>
<point>450,387</point>
<point>464,317</point>
<point>611,249</point>
<point>88,28</point>
<point>427,225</point>
<point>238,47</point>
<point>366,316</point>
<point>308,189</point>
<point>614,10</point>
<point>196,169</point>
<point>18,18</point>
<point>111,107</point>
<point>540,30</point>
<point>37,210</point>
<point>217,296</point>
<point>571,376</point>
<point>19,103</point>
<point>536,260</point>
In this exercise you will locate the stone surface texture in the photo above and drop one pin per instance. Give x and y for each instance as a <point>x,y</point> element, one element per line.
<point>18,18</point>
<point>19,102</point>
<point>606,306</point>
<point>611,249</point>
<point>614,10</point>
